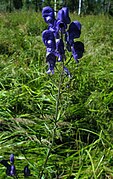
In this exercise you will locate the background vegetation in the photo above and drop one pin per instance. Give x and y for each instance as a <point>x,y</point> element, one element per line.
<point>78,6</point>
<point>83,146</point>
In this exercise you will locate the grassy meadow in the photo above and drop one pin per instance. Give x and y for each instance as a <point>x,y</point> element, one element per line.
<point>80,141</point>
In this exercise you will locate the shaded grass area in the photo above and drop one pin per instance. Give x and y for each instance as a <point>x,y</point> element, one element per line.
<point>83,143</point>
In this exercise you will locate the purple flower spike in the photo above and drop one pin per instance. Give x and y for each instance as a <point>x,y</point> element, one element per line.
<point>77,50</point>
<point>51,60</point>
<point>48,15</point>
<point>12,171</point>
<point>12,158</point>
<point>49,40</point>
<point>53,38</point>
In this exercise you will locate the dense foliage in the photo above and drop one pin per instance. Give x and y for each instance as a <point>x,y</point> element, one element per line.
<point>83,146</point>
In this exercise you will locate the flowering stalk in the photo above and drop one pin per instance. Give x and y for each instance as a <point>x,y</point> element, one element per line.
<point>55,119</point>
<point>55,38</point>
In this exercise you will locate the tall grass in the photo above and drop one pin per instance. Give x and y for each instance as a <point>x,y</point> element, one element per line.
<point>83,140</point>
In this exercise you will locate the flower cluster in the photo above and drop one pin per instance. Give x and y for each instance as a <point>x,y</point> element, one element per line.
<point>60,36</point>
<point>11,169</point>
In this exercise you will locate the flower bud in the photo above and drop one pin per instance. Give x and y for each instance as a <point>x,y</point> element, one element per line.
<point>12,171</point>
<point>12,158</point>
<point>26,171</point>
<point>51,60</point>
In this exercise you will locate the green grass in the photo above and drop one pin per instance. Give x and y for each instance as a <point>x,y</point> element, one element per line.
<point>83,146</point>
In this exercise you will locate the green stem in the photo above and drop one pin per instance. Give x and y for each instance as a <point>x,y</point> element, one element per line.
<point>59,90</point>
<point>55,121</point>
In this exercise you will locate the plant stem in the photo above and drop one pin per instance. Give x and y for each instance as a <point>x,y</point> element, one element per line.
<point>55,120</point>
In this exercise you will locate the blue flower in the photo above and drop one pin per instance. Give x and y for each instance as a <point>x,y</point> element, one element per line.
<point>60,27</point>
<point>66,15</point>
<point>13,171</point>
<point>75,29</point>
<point>77,50</point>
<point>12,158</point>
<point>62,20</point>
<point>63,15</point>
<point>26,171</point>
<point>73,32</point>
<point>48,15</point>
<point>51,60</point>
<point>60,49</point>
<point>49,40</point>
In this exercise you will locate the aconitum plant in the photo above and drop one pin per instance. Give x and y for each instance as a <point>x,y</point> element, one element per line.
<point>11,169</point>
<point>60,36</point>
